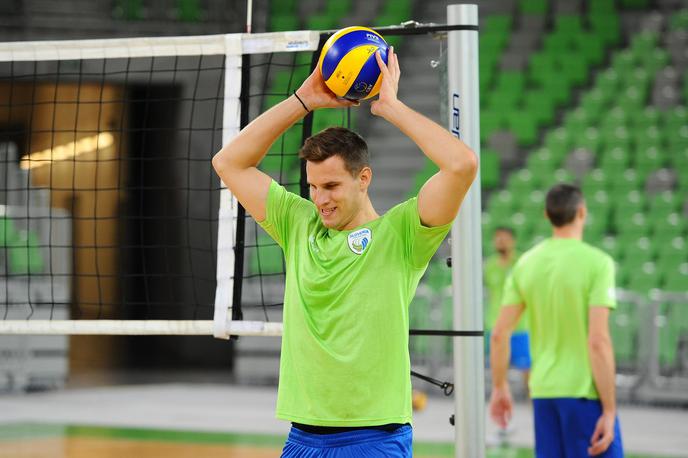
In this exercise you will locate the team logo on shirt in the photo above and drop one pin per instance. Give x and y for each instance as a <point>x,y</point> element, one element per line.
<point>359,240</point>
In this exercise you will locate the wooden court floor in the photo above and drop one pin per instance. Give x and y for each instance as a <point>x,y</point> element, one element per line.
<point>64,441</point>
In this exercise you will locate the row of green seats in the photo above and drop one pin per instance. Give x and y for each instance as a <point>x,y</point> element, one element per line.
<point>134,10</point>
<point>22,249</point>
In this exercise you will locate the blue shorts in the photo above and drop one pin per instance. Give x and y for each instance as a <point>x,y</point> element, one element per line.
<point>520,350</point>
<point>361,443</point>
<point>564,426</point>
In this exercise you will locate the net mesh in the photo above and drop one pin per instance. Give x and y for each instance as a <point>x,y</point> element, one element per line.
<point>109,201</point>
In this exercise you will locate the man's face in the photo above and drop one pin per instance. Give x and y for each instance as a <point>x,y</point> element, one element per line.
<point>337,195</point>
<point>503,242</point>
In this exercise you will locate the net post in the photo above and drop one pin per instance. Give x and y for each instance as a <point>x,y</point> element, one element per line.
<point>229,206</point>
<point>466,247</point>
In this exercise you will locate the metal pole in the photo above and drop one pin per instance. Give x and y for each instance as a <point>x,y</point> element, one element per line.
<point>249,15</point>
<point>466,246</point>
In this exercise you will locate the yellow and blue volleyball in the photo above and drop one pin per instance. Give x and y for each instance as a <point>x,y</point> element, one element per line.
<point>348,65</point>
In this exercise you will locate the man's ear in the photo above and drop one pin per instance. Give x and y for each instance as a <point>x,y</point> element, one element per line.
<point>364,178</point>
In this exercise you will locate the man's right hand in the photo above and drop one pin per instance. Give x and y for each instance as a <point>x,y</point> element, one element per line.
<point>501,406</point>
<point>315,94</point>
<point>603,435</point>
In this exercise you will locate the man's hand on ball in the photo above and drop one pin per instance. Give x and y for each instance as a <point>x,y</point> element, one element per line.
<point>315,94</point>
<point>390,84</point>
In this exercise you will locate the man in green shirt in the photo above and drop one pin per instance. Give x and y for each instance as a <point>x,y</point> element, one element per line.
<point>351,273</point>
<point>496,270</point>
<point>566,289</point>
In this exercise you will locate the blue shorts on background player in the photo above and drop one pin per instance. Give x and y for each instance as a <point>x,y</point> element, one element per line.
<point>564,426</point>
<point>520,350</point>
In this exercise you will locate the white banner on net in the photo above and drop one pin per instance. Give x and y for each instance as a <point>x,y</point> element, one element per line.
<point>232,46</point>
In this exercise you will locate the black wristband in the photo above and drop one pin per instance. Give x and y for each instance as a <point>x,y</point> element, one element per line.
<point>299,99</point>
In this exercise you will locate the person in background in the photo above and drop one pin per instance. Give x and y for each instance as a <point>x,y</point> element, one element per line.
<point>566,289</point>
<point>496,270</point>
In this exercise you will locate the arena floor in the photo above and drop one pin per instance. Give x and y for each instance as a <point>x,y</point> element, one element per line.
<point>192,420</point>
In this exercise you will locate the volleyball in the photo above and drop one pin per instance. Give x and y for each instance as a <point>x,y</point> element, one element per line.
<point>348,65</point>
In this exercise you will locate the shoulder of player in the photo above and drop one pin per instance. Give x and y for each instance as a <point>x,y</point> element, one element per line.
<point>597,253</point>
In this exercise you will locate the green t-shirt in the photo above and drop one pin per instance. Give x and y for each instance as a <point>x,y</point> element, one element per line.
<point>345,359</point>
<point>558,280</point>
<point>495,274</point>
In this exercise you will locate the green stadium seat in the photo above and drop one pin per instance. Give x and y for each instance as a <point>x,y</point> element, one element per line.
<point>24,253</point>
<point>607,82</point>
<point>610,245</point>
<point>524,128</point>
<point>614,118</point>
<point>283,7</point>
<point>668,341</point>
<point>510,81</point>
<point>625,182</point>
<point>489,169</point>
<point>648,117</point>
<point>285,22</point>
<point>558,43</point>
<point>589,139</point>
<point>321,22</point>
<point>631,224</point>
<point>623,326</point>
<point>635,4</point>
<point>189,10</point>
<point>501,99</point>
<point>657,60</point>
<point>602,6</point>
<point>623,62</point>
<point>338,8</point>
<point>593,103</point>
<point>667,226</point>
<point>500,23</point>
<point>575,70</point>
<point>558,142</point>
<point>649,159</point>
<point>576,121</point>
<point>665,203</point>
<point>8,232</point>
<point>568,24</point>
<point>616,138</point>
<point>645,279</point>
<point>590,48</point>
<point>522,182</point>
<point>676,118</point>
<point>490,122</point>
<point>596,226</point>
<point>677,279</point>
<point>616,158</point>
<point>532,204</point>
<point>129,10</point>
<point>595,181</point>
<point>679,20</point>
<point>606,26</point>
<point>536,7</point>
<point>559,176</point>
<point>541,163</point>
<point>632,202</point>
<point>557,88</point>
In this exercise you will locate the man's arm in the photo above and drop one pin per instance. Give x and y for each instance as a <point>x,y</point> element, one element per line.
<point>500,350</point>
<point>601,355</point>
<point>501,403</point>
<point>440,197</point>
<point>236,163</point>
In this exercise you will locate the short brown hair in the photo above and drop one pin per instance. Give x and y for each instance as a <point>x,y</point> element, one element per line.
<point>562,202</point>
<point>337,141</point>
